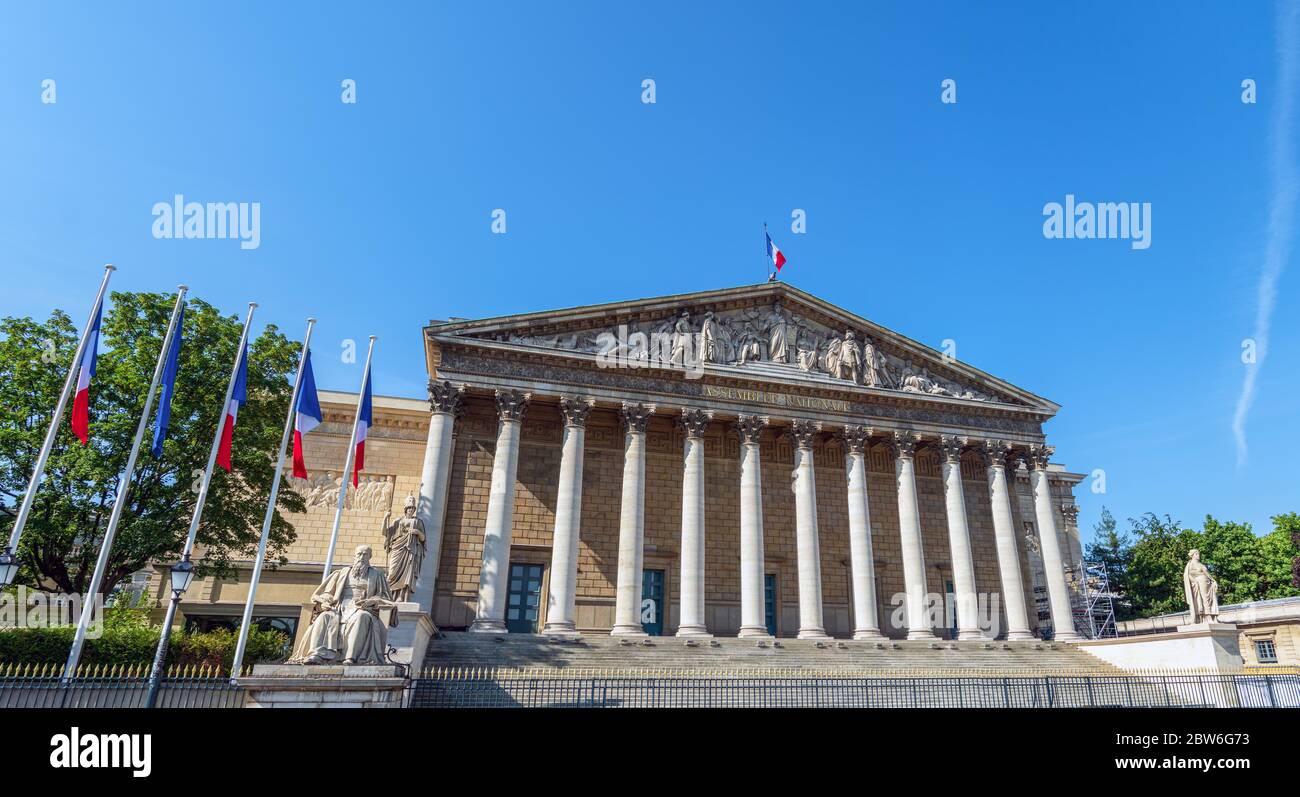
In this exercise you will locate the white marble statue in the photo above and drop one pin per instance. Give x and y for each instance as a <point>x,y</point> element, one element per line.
<point>347,628</point>
<point>1200,589</point>
<point>682,351</point>
<point>404,542</point>
<point>778,346</point>
<point>848,365</point>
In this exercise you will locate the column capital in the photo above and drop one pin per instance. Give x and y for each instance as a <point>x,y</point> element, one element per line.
<point>445,397</point>
<point>856,439</point>
<point>635,416</point>
<point>511,404</point>
<point>1037,456</point>
<point>903,444</point>
<point>804,431</point>
<point>994,453</point>
<point>1071,512</point>
<point>749,427</point>
<point>951,447</point>
<point>575,409</point>
<point>695,421</point>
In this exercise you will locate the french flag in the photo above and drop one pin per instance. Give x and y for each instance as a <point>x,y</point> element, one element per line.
<point>238,395</point>
<point>363,423</point>
<point>81,403</point>
<point>778,259</point>
<point>308,417</point>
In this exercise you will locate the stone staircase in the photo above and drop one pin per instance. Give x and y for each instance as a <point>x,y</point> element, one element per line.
<point>730,656</point>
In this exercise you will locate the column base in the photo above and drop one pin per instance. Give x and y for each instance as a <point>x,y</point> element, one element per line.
<point>483,625</point>
<point>754,632</point>
<point>922,634</point>
<point>812,633</point>
<point>697,631</point>
<point>871,634</point>
<point>627,630</point>
<point>1020,636</point>
<point>1067,636</point>
<point>970,635</point>
<point>560,629</point>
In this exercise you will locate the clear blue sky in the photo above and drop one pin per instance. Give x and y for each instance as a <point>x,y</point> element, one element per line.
<point>922,216</point>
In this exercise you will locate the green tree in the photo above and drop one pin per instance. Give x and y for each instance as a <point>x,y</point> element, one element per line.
<point>70,514</point>
<point>1113,548</point>
<point>1279,552</point>
<point>1155,574</point>
<point>1231,551</point>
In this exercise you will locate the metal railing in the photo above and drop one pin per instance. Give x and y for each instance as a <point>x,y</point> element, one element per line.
<point>630,689</point>
<point>41,686</point>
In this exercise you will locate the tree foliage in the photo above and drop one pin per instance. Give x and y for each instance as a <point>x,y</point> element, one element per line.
<point>72,507</point>
<point>1152,557</point>
<point>129,639</point>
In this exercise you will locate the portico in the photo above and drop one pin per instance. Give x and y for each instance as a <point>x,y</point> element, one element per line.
<point>770,470</point>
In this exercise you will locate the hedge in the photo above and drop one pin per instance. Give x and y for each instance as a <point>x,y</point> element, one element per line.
<point>130,640</point>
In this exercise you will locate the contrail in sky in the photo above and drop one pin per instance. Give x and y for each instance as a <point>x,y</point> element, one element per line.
<point>1282,205</point>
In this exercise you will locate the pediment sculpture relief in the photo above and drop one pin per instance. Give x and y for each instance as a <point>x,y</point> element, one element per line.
<point>771,335</point>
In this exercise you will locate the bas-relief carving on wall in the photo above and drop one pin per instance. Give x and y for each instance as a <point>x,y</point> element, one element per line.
<point>372,493</point>
<point>772,335</point>
<point>468,362</point>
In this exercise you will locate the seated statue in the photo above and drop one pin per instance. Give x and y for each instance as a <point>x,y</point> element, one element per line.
<point>1200,589</point>
<point>347,627</point>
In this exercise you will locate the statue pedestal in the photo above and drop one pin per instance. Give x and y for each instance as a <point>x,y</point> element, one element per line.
<point>411,635</point>
<point>1208,627</point>
<point>324,686</point>
<point>1202,646</point>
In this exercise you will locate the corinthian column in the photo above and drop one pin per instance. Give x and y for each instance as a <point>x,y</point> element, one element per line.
<point>1058,593</point>
<point>909,527</point>
<point>805,531</point>
<point>568,517</point>
<point>865,626</point>
<point>963,566</point>
<point>410,637</point>
<point>435,478</point>
<point>1004,532</point>
<point>752,617</point>
<point>692,623</point>
<point>631,523</point>
<point>490,617</point>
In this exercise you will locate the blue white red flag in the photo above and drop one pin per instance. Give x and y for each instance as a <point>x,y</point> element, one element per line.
<point>308,417</point>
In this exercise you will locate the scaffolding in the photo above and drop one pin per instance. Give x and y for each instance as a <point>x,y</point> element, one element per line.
<point>1093,602</point>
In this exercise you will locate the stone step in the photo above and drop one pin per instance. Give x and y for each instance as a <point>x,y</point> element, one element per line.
<point>519,651</point>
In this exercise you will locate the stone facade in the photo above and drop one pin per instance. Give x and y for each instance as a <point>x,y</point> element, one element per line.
<point>502,381</point>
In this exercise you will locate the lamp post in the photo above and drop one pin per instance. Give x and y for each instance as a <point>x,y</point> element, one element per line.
<point>182,573</point>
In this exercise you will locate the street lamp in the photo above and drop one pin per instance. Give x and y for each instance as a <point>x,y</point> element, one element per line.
<point>181,574</point>
<point>8,568</point>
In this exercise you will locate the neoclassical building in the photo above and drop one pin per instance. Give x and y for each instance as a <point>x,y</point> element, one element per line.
<point>743,462</point>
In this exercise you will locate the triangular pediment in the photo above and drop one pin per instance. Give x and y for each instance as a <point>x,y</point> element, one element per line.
<point>770,331</point>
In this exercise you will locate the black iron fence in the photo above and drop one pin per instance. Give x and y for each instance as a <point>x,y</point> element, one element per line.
<point>41,687</point>
<point>536,689</point>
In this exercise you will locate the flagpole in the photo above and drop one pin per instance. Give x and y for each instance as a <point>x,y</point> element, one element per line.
<point>160,655</point>
<point>347,465</point>
<point>123,488</point>
<point>28,497</point>
<point>767,260</point>
<point>238,663</point>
